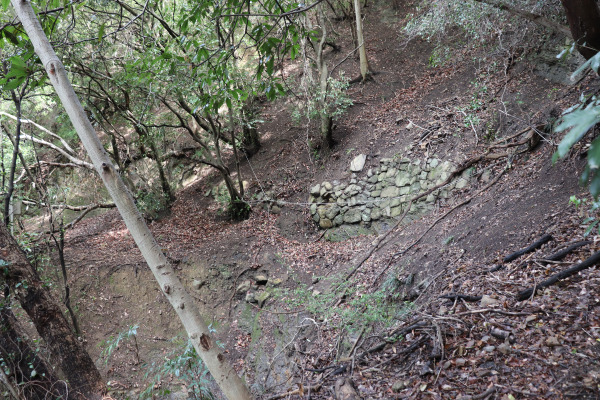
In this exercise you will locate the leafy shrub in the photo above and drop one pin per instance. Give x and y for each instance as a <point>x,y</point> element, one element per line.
<point>578,120</point>
<point>184,364</point>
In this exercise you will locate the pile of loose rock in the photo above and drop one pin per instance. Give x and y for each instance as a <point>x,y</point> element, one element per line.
<point>383,192</point>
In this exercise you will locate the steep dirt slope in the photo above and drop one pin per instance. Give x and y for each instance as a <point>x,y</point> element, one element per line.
<point>440,349</point>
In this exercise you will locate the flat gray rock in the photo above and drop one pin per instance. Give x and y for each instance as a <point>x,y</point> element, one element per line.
<point>358,163</point>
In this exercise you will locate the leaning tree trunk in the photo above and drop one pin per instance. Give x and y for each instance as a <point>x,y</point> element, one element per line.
<point>30,373</point>
<point>230,383</point>
<point>80,371</point>
<point>584,21</point>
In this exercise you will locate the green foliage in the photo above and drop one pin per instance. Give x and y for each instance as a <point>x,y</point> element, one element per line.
<point>439,56</point>
<point>151,203</point>
<point>470,112</point>
<point>334,102</point>
<point>578,120</point>
<point>434,20</point>
<point>111,344</point>
<point>185,366</point>
<point>591,214</point>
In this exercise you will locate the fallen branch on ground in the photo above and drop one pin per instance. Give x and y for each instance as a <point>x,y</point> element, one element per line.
<point>457,296</point>
<point>591,261</point>
<point>559,255</point>
<point>534,246</point>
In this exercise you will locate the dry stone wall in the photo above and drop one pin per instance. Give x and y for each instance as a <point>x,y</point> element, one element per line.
<point>381,193</point>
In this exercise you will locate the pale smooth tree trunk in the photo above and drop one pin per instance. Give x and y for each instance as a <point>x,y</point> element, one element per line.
<point>326,129</point>
<point>230,383</point>
<point>362,52</point>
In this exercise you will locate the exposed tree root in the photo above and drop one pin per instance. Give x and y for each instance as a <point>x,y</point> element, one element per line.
<point>534,246</point>
<point>527,293</point>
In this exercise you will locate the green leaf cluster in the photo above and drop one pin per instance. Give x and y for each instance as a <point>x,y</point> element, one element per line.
<point>577,121</point>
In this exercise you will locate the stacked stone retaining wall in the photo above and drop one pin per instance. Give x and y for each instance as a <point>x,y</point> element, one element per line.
<point>382,192</point>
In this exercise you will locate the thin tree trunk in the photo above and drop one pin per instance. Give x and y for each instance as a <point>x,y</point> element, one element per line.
<point>584,21</point>
<point>250,138</point>
<point>13,164</point>
<point>362,52</point>
<point>80,371</point>
<point>326,121</point>
<point>223,373</point>
<point>60,247</point>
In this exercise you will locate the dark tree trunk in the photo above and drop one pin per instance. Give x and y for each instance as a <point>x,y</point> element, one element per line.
<point>76,365</point>
<point>250,137</point>
<point>13,164</point>
<point>21,360</point>
<point>584,20</point>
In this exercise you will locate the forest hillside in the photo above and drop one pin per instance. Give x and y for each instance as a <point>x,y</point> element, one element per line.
<point>335,200</point>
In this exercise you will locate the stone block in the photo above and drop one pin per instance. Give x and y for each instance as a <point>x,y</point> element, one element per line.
<point>337,221</point>
<point>358,163</point>
<point>322,211</point>
<point>395,211</point>
<point>325,223</point>
<point>315,190</point>
<point>390,191</point>
<point>391,173</point>
<point>352,216</point>
<point>375,213</point>
<point>332,211</point>
<point>375,193</point>
<point>402,179</point>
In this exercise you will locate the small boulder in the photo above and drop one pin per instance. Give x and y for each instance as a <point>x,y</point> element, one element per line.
<point>261,297</point>
<point>244,286</point>
<point>487,301</point>
<point>358,163</point>
<point>275,281</point>
<point>261,279</point>
<point>250,297</point>
<point>398,386</point>
<point>315,190</point>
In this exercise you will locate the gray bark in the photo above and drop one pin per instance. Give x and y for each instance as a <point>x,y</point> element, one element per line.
<point>230,383</point>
